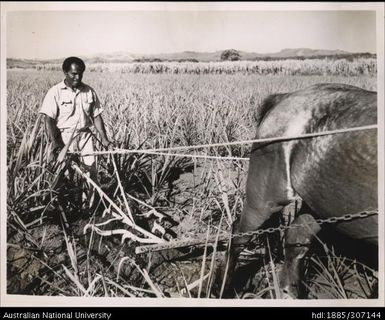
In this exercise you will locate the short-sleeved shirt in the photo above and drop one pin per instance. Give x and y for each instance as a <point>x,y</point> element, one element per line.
<point>71,108</point>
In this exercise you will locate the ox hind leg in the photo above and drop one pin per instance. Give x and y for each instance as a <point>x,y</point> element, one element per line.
<point>297,241</point>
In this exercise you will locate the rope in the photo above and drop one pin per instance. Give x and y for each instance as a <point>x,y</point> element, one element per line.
<point>203,156</point>
<point>273,139</point>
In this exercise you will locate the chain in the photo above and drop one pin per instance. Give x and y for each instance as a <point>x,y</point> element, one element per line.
<point>346,217</point>
<point>228,236</point>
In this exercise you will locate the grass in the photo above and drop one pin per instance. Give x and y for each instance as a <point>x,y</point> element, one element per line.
<point>71,251</point>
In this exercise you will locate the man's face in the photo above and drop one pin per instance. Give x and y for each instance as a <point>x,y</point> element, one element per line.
<point>74,76</point>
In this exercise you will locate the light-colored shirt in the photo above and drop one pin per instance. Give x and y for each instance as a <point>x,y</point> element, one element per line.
<point>71,108</point>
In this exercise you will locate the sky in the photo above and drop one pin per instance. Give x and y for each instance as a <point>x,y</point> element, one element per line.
<point>56,34</point>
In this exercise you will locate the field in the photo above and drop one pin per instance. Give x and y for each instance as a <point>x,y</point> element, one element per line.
<point>57,247</point>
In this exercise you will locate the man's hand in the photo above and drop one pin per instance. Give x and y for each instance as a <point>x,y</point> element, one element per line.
<point>107,144</point>
<point>56,148</point>
<point>55,137</point>
<point>99,125</point>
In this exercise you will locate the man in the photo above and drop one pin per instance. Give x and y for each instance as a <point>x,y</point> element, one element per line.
<point>71,108</point>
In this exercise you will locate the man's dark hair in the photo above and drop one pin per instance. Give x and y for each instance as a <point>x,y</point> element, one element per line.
<point>67,63</point>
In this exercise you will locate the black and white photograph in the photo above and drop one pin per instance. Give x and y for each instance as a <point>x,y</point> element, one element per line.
<point>192,154</point>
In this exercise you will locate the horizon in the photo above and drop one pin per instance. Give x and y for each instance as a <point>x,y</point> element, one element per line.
<point>49,35</point>
<point>116,53</point>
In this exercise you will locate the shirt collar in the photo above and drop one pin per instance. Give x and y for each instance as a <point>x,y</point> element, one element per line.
<point>62,85</point>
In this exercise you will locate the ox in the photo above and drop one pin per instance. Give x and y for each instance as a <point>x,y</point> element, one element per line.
<point>334,175</point>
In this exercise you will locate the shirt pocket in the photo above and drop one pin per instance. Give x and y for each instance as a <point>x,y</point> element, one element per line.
<point>66,108</point>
